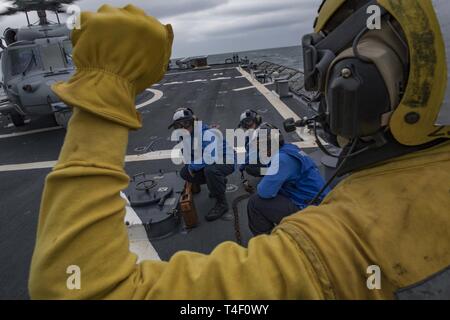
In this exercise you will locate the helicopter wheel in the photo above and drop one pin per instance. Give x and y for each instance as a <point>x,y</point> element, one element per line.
<point>17,119</point>
<point>62,118</point>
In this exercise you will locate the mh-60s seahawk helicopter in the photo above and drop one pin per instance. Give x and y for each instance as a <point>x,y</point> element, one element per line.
<point>33,58</point>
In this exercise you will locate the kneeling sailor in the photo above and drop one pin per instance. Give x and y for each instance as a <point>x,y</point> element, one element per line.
<point>291,182</point>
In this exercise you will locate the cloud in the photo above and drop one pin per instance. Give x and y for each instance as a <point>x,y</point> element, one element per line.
<point>260,21</point>
<point>214,26</point>
<point>272,22</point>
<point>157,8</point>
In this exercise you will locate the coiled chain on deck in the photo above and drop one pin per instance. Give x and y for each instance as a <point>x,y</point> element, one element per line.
<point>237,229</point>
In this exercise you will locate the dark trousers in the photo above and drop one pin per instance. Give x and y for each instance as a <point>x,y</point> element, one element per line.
<point>254,170</point>
<point>214,176</point>
<point>265,214</point>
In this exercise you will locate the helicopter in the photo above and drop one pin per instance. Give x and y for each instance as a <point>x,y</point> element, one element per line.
<point>34,57</point>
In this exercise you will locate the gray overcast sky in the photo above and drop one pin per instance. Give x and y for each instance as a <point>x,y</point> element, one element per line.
<point>219,26</point>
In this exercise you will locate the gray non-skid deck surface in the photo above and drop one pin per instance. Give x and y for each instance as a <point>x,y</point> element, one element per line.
<point>214,101</point>
<point>40,146</point>
<point>20,194</point>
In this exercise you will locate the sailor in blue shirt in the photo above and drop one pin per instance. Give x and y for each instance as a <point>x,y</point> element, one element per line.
<point>207,169</point>
<point>250,120</point>
<point>290,183</point>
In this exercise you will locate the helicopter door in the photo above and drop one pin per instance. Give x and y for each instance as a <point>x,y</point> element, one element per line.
<point>67,49</point>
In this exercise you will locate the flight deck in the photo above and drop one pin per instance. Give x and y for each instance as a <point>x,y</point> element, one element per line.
<point>218,95</point>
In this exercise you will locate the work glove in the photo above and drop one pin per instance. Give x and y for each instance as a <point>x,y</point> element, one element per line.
<point>248,187</point>
<point>118,53</point>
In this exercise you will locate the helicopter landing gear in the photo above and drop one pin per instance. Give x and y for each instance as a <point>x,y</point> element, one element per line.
<point>17,119</point>
<point>62,118</point>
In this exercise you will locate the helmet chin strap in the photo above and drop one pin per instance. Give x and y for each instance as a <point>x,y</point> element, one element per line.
<point>341,165</point>
<point>378,142</point>
<point>340,156</point>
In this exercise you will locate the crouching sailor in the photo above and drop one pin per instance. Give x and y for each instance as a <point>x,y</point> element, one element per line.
<point>250,120</point>
<point>206,166</point>
<point>289,185</point>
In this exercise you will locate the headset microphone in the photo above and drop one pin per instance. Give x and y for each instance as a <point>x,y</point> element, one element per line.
<point>290,125</point>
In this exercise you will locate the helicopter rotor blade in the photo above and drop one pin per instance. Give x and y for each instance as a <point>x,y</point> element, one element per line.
<point>13,7</point>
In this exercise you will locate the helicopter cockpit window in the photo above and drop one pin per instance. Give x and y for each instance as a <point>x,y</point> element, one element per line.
<point>23,60</point>
<point>52,57</point>
<point>67,48</point>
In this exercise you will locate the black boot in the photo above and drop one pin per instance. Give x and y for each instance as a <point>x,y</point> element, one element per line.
<point>218,210</point>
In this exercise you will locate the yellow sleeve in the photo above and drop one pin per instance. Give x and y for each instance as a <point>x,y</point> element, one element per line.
<point>81,224</point>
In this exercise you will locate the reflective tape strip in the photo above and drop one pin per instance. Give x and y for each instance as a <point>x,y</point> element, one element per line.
<point>442,8</point>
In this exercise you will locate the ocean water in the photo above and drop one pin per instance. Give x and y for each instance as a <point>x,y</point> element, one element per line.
<point>289,56</point>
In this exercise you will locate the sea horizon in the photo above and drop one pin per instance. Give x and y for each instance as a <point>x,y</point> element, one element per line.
<point>290,56</point>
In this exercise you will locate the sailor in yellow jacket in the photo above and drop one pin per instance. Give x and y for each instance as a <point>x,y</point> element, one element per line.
<point>392,212</point>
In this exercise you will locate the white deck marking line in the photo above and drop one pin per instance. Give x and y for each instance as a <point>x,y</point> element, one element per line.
<point>196,71</point>
<point>154,155</point>
<point>25,133</point>
<point>173,83</point>
<point>131,217</point>
<point>283,110</point>
<point>244,88</point>
<point>198,80</point>
<point>157,96</point>
<point>251,87</point>
<point>150,156</point>
<point>139,243</point>
<point>221,78</point>
<point>27,166</point>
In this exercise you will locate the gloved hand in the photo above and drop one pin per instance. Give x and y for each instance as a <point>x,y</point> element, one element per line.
<point>118,53</point>
<point>248,187</point>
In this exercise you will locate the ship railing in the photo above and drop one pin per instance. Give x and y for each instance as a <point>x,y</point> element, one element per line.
<point>294,76</point>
